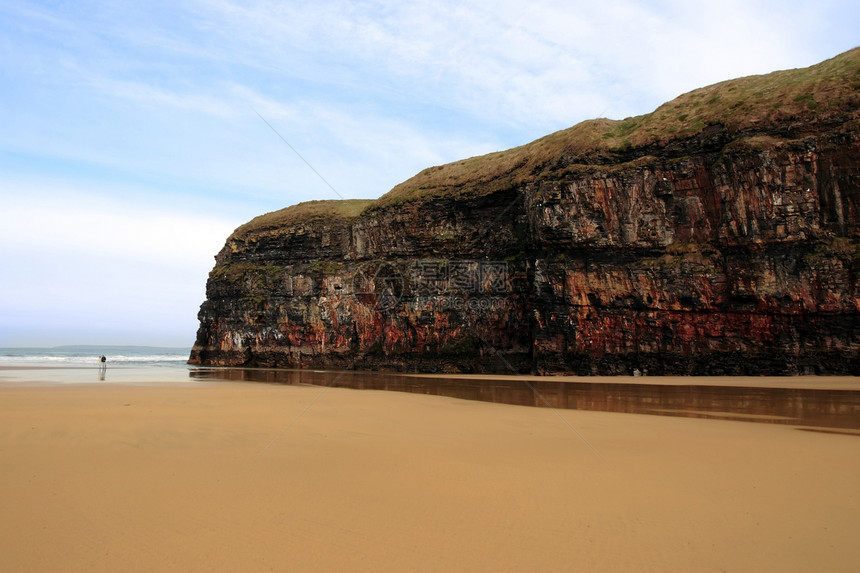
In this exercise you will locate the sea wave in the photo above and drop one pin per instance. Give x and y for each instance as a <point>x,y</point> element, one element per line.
<point>59,358</point>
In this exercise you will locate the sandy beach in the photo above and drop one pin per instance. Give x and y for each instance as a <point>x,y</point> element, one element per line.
<point>230,476</point>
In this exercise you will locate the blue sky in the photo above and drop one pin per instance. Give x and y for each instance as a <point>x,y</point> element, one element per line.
<point>130,144</point>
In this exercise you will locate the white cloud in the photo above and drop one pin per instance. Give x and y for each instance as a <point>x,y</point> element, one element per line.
<point>87,225</point>
<point>79,263</point>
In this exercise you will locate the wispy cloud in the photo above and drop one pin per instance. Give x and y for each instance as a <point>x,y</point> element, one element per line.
<point>545,63</point>
<point>146,95</point>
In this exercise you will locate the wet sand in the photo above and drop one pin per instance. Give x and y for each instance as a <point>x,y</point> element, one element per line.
<point>790,382</point>
<point>831,403</point>
<point>227,476</point>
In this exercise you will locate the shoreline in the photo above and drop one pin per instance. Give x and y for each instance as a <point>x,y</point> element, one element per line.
<point>807,382</point>
<point>801,403</point>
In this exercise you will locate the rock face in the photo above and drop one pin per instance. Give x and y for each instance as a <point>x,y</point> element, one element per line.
<point>731,246</point>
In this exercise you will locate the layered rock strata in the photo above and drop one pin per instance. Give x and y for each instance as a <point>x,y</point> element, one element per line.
<point>730,248</point>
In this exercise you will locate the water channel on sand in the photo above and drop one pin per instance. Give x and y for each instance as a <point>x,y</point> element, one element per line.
<point>813,409</point>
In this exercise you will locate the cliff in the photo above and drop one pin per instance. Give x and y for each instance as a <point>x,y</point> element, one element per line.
<point>717,235</point>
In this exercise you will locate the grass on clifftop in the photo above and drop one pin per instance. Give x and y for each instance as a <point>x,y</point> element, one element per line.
<point>753,102</point>
<point>303,212</point>
<point>749,103</point>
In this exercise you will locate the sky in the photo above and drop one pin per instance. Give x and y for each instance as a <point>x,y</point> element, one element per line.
<point>135,136</point>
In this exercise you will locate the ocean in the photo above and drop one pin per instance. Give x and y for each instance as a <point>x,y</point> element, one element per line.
<point>69,364</point>
<point>83,356</point>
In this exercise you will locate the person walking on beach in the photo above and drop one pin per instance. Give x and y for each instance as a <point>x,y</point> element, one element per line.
<point>102,362</point>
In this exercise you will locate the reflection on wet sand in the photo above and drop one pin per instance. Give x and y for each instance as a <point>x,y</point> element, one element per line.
<point>815,408</point>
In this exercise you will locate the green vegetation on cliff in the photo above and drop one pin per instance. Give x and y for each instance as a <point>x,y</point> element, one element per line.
<point>745,108</point>
<point>307,212</point>
<point>755,103</point>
